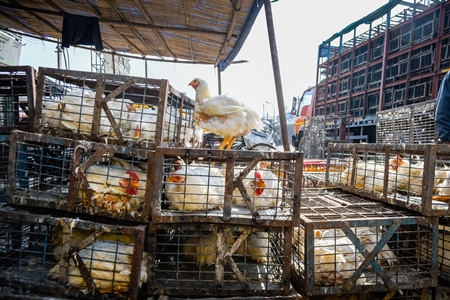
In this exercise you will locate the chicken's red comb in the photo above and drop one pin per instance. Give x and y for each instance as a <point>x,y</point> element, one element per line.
<point>258,175</point>
<point>133,175</point>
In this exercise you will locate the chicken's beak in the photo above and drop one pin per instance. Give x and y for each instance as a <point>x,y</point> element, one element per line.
<point>194,84</point>
<point>175,179</point>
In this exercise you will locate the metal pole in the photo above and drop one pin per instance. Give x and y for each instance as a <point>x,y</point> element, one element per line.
<point>273,107</point>
<point>276,74</point>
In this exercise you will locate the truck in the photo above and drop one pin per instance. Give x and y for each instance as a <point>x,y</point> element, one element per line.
<point>399,62</point>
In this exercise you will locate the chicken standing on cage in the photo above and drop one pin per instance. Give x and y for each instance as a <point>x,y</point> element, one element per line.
<point>223,115</point>
<point>195,188</point>
<point>118,187</point>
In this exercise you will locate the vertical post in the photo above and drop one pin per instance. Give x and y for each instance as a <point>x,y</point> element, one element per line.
<point>219,81</point>
<point>276,73</point>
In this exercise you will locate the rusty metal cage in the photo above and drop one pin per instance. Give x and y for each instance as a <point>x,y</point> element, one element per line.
<point>347,244</point>
<point>443,248</point>
<point>243,187</point>
<point>17,97</point>
<point>219,260</point>
<point>79,176</point>
<point>411,124</point>
<point>63,257</point>
<point>114,108</point>
<point>412,176</point>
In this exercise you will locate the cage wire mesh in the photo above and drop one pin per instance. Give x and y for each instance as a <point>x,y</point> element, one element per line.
<point>17,94</point>
<point>412,124</point>
<point>312,144</point>
<point>79,176</point>
<point>213,184</point>
<point>443,249</point>
<point>412,176</point>
<point>4,163</point>
<point>46,255</point>
<point>145,112</point>
<point>345,243</point>
<point>222,260</point>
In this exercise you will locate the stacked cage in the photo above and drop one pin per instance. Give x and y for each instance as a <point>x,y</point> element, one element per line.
<point>412,176</point>
<point>87,158</point>
<point>140,112</point>
<point>17,98</point>
<point>409,177</point>
<point>347,244</point>
<point>68,257</point>
<point>221,222</point>
<point>78,176</point>
<point>412,124</point>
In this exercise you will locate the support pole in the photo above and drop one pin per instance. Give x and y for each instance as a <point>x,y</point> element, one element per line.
<point>276,74</point>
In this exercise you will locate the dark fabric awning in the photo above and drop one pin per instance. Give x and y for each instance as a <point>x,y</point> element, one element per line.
<point>209,32</point>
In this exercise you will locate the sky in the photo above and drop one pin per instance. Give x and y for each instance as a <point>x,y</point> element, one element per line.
<point>300,26</point>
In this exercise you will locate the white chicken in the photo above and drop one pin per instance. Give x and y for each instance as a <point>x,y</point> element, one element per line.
<point>119,186</point>
<point>335,260</point>
<point>443,249</point>
<point>141,124</point>
<point>75,112</point>
<point>442,189</point>
<point>195,188</point>
<point>222,115</point>
<point>202,249</point>
<point>262,186</point>
<point>408,178</point>
<point>256,246</point>
<point>336,257</point>
<point>109,266</point>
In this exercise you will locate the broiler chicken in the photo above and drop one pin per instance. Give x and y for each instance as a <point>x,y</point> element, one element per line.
<point>202,249</point>
<point>408,178</point>
<point>222,115</point>
<point>262,186</point>
<point>141,124</point>
<point>119,186</point>
<point>256,246</point>
<point>109,266</point>
<point>336,257</point>
<point>75,112</point>
<point>195,188</point>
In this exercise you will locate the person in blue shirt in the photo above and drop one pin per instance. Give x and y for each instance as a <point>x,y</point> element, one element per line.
<point>442,116</point>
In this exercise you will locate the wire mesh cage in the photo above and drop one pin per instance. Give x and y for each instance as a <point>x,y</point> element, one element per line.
<point>412,124</point>
<point>79,176</point>
<point>4,156</point>
<point>104,107</point>
<point>245,187</point>
<point>347,244</point>
<point>412,176</point>
<point>17,97</point>
<point>443,249</point>
<point>48,255</point>
<point>219,260</point>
